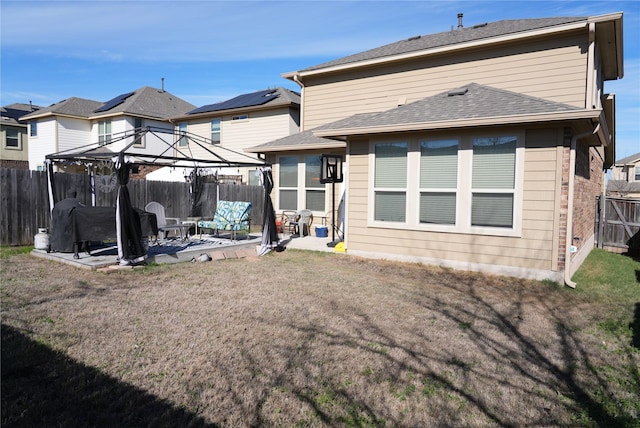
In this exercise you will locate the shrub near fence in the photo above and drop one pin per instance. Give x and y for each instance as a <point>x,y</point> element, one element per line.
<point>24,201</point>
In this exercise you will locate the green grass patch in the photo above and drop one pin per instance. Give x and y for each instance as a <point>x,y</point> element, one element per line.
<point>8,251</point>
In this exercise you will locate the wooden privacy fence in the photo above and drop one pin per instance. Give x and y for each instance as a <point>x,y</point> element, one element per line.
<point>24,201</point>
<point>618,223</point>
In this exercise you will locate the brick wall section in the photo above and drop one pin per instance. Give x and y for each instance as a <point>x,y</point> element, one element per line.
<point>14,164</point>
<point>588,185</point>
<point>564,206</point>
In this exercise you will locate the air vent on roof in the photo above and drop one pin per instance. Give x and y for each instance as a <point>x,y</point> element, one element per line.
<point>413,38</point>
<point>460,91</point>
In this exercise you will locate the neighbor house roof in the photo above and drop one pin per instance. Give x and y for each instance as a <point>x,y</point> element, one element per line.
<point>469,105</point>
<point>259,100</point>
<point>485,33</point>
<point>144,102</point>
<point>12,114</point>
<point>629,160</point>
<point>74,106</point>
<point>622,186</point>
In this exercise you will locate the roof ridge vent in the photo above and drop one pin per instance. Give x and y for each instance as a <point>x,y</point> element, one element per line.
<point>480,25</point>
<point>410,39</point>
<point>456,92</point>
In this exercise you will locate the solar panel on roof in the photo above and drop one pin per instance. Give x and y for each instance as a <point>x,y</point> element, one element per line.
<point>114,102</point>
<point>246,100</point>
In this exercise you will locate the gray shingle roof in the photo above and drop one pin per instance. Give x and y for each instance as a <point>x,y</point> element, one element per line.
<point>629,159</point>
<point>285,97</point>
<point>302,140</point>
<point>449,38</point>
<point>150,102</point>
<point>12,114</point>
<point>473,101</point>
<point>622,186</point>
<point>73,106</point>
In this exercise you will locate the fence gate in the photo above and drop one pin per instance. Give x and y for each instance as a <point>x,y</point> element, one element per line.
<point>618,223</point>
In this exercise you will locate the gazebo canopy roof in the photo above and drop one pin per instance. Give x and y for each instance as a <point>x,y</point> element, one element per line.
<point>166,151</point>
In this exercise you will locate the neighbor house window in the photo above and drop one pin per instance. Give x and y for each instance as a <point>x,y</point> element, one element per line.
<point>390,182</point>
<point>12,136</point>
<point>637,174</point>
<point>288,182</point>
<point>314,190</point>
<point>182,131</point>
<point>240,117</point>
<point>138,124</point>
<point>438,181</point>
<point>215,131</point>
<point>493,181</point>
<point>33,129</point>
<point>104,132</point>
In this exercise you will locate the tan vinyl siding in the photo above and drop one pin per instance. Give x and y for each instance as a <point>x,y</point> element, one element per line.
<point>533,249</point>
<point>550,69</point>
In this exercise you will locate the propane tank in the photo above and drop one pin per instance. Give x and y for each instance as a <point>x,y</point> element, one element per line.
<point>41,240</point>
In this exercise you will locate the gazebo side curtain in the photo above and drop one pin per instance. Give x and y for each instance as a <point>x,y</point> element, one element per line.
<point>269,231</point>
<point>128,230</point>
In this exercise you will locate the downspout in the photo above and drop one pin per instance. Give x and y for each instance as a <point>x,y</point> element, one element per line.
<point>296,78</point>
<point>569,233</point>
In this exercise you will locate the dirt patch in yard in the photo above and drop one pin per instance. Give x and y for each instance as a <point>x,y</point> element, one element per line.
<point>304,339</point>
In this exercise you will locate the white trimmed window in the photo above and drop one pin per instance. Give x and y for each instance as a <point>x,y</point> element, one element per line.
<point>215,131</point>
<point>288,182</point>
<point>637,174</point>
<point>438,181</point>
<point>463,184</point>
<point>493,181</point>
<point>104,132</point>
<point>314,190</point>
<point>182,131</point>
<point>390,182</point>
<point>138,124</point>
<point>33,129</point>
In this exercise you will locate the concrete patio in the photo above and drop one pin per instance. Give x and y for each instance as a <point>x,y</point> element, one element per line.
<point>178,250</point>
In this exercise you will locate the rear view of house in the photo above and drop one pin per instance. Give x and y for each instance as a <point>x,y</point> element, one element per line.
<point>480,148</point>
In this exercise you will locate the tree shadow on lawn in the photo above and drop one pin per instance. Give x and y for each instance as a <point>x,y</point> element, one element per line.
<point>560,387</point>
<point>42,387</point>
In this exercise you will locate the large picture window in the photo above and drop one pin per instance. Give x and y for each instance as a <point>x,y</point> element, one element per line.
<point>390,182</point>
<point>314,190</point>
<point>465,183</point>
<point>493,181</point>
<point>438,181</point>
<point>288,182</point>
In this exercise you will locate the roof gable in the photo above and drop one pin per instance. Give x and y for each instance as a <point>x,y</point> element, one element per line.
<point>451,38</point>
<point>635,158</point>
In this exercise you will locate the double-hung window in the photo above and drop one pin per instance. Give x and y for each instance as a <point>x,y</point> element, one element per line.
<point>493,181</point>
<point>12,136</point>
<point>182,131</point>
<point>104,132</point>
<point>390,182</point>
<point>314,190</point>
<point>215,131</point>
<point>438,181</point>
<point>637,173</point>
<point>288,182</point>
<point>138,124</point>
<point>33,129</point>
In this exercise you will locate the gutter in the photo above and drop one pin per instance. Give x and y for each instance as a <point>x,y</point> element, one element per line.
<point>296,78</point>
<point>569,233</point>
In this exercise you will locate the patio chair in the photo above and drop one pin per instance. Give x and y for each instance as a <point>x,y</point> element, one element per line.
<point>233,216</point>
<point>302,223</point>
<point>167,224</point>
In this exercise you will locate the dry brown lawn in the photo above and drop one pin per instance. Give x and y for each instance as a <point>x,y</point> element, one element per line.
<point>302,339</point>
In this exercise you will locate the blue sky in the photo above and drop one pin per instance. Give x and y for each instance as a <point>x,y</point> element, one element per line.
<point>210,51</point>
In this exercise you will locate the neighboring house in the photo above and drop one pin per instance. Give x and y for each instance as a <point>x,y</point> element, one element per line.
<point>77,122</point>
<point>241,122</point>
<point>480,148</point>
<point>625,177</point>
<point>13,130</point>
